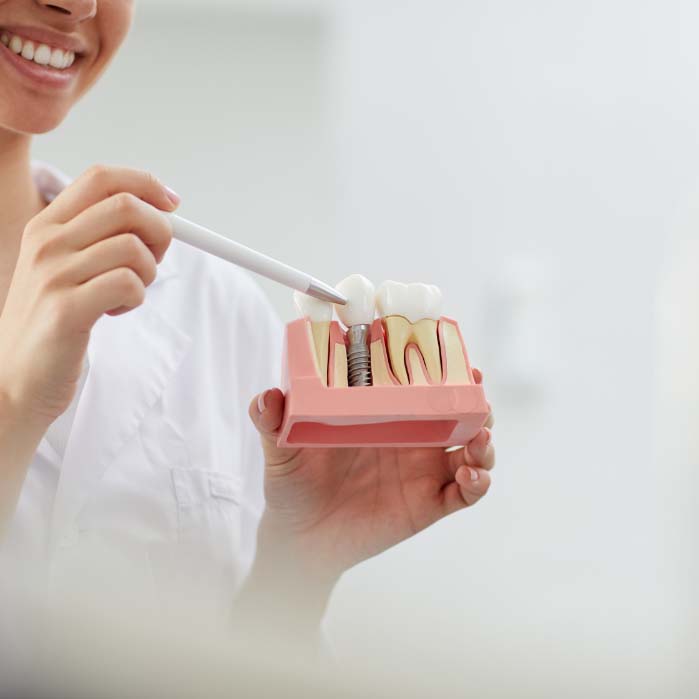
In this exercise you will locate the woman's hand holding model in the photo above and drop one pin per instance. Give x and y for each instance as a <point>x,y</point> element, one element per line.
<point>329,509</point>
<point>92,251</point>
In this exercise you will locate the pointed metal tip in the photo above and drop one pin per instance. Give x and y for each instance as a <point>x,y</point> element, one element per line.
<point>324,292</point>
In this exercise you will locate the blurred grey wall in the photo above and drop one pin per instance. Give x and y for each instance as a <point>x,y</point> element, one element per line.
<point>528,157</point>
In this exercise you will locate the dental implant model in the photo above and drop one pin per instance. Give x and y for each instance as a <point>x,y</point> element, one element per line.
<point>357,315</point>
<point>401,379</point>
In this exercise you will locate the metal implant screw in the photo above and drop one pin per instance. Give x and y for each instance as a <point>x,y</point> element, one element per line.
<point>359,356</point>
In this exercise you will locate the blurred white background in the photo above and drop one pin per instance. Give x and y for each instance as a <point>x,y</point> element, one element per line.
<point>531,159</point>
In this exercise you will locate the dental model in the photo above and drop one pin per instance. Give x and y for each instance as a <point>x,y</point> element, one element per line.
<point>357,315</point>
<point>400,379</point>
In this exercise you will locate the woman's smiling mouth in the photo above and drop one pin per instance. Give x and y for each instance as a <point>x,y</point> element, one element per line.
<point>41,54</point>
<point>47,58</point>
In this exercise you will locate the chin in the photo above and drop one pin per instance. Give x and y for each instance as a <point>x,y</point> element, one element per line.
<point>33,120</point>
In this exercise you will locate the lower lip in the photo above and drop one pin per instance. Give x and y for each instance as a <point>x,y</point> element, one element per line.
<point>42,76</point>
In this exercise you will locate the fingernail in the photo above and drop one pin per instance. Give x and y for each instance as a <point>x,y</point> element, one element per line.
<point>474,474</point>
<point>261,405</point>
<point>173,196</point>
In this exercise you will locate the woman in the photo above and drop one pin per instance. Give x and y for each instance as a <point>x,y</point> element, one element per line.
<point>124,448</point>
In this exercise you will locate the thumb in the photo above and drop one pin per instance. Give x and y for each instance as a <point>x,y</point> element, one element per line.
<point>267,412</point>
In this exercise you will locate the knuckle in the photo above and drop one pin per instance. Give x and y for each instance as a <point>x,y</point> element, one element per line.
<point>44,248</point>
<point>133,245</point>
<point>125,204</point>
<point>98,173</point>
<point>130,285</point>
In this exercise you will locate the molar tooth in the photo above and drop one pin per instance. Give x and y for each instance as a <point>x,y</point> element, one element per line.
<point>42,55</point>
<point>16,44</point>
<point>28,50</point>
<point>411,313</point>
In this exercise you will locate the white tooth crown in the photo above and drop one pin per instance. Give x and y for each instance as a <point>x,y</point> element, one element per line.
<point>412,301</point>
<point>315,310</point>
<point>41,54</point>
<point>360,308</point>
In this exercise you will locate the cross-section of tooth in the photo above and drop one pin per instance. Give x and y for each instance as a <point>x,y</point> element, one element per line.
<point>411,313</point>
<point>456,371</point>
<point>319,313</point>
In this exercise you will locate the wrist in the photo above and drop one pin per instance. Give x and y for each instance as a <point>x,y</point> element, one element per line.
<point>286,588</point>
<point>12,416</point>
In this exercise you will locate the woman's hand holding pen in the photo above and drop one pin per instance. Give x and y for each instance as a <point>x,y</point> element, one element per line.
<point>92,251</point>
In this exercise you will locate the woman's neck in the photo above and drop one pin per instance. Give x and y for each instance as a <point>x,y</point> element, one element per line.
<point>19,201</point>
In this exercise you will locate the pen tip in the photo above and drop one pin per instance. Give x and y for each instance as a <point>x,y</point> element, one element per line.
<point>324,292</point>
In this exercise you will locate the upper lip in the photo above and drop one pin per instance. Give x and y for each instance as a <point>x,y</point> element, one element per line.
<point>50,37</point>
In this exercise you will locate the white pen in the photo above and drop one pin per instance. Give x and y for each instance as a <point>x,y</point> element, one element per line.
<point>215,244</point>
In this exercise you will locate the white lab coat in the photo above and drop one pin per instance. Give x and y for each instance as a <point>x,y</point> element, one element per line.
<point>160,490</point>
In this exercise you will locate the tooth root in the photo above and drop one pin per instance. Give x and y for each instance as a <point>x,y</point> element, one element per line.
<point>417,370</point>
<point>456,370</point>
<point>425,333</point>
<point>381,374</point>
<point>398,332</point>
<point>319,339</point>
<point>340,379</point>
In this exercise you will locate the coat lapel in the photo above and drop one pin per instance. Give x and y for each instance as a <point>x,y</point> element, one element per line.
<point>131,360</point>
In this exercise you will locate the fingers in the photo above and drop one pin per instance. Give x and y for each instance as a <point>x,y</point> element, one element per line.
<point>479,453</point>
<point>473,484</point>
<point>119,289</point>
<point>267,412</point>
<point>101,182</point>
<point>126,250</point>
<point>469,486</point>
<point>121,213</point>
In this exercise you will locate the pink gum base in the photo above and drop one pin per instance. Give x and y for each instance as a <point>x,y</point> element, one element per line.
<point>388,416</point>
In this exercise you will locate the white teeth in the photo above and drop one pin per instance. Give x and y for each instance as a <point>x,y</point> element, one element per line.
<point>28,50</point>
<point>360,308</point>
<point>412,301</point>
<point>42,54</point>
<point>57,58</point>
<point>315,310</point>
